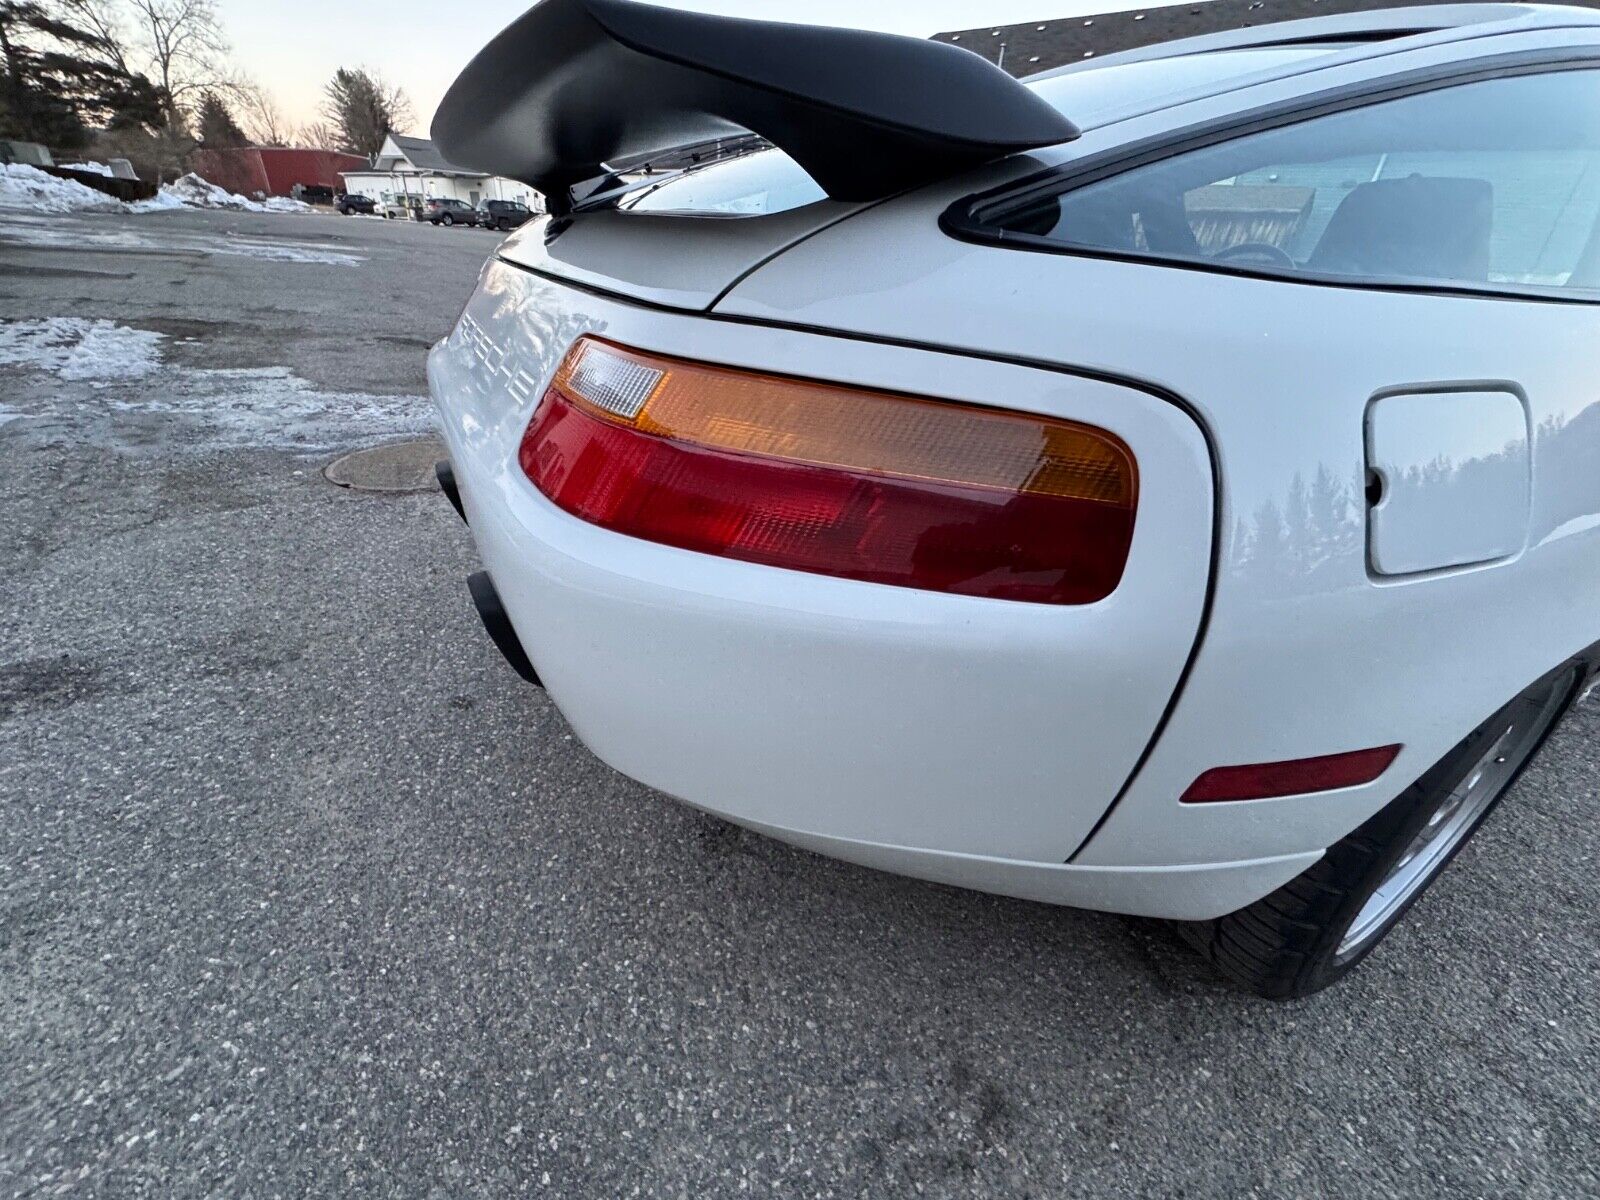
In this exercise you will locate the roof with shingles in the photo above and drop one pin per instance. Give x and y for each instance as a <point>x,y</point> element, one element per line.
<point>1040,45</point>
<point>425,156</point>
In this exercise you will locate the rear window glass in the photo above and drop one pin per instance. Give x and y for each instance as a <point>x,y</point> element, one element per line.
<point>1495,183</point>
<point>768,181</point>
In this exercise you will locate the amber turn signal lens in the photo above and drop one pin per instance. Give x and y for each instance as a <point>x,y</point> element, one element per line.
<point>835,480</point>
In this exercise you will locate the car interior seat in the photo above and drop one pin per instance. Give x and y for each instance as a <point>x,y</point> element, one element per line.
<point>1417,228</point>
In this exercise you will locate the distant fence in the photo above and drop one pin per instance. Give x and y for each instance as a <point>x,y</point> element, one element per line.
<point>122,189</point>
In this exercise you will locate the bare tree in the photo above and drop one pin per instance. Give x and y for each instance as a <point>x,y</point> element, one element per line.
<point>263,119</point>
<point>318,135</point>
<point>186,53</point>
<point>104,19</point>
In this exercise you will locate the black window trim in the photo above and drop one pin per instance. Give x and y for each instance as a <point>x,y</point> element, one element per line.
<point>964,220</point>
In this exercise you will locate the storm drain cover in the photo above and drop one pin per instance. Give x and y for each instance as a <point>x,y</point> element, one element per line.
<point>397,467</point>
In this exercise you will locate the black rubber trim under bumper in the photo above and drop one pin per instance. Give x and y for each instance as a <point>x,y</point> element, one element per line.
<point>498,625</point>
<point>446,475</point>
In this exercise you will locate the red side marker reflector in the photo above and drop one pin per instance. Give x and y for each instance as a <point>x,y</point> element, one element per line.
<point>1263,781</point>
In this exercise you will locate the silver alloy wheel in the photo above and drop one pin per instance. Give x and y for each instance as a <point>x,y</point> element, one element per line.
<point>1457,814</point>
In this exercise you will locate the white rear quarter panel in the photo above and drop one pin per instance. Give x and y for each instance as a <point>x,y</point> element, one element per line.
<point>1306,653</point>
<point>819,705</point>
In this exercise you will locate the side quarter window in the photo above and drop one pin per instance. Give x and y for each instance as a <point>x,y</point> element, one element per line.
<point>1493,184</point>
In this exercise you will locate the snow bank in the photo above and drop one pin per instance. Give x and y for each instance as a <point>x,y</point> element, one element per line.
<point>22,186</point>
<point>28,188</point>
<point>162,201</point>
<point>194,192</point>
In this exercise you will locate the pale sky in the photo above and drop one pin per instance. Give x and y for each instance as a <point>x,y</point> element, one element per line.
<point>293,46</point>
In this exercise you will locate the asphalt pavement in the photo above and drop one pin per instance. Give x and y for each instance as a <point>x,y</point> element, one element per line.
<point>304,893</point>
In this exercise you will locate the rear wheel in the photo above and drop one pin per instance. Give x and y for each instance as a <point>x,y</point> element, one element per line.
<point>1315,929</point>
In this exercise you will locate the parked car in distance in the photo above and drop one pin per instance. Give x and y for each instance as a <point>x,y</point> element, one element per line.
<point>503,215</point>
<point>445,211</point>
<point>397,207</point>
<point>355,202</point>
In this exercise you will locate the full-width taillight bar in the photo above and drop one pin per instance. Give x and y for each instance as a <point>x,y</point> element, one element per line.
<point>834,480</point>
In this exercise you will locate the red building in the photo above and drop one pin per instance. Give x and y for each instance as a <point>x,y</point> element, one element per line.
<point>274,171</point>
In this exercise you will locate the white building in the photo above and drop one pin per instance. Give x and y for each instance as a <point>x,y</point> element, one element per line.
<point>413,167</point>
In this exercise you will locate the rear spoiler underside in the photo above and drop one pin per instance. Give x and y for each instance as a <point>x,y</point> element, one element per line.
<point>573,85</point>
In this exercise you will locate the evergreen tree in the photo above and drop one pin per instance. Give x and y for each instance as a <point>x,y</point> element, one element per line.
<point>61,78</point>
<point>31,113</point>
<point>363,110</point>
<point>217,128</point>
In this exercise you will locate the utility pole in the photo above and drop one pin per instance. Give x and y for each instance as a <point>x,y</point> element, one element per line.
<point>1001,61</point>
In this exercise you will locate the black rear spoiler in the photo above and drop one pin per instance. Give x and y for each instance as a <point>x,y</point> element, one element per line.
<point>573,85</point>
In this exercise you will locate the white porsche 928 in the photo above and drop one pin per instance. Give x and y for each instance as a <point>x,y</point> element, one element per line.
<point>1167,485</point>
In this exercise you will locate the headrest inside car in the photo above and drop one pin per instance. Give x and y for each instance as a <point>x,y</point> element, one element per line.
<point>1416,227</point>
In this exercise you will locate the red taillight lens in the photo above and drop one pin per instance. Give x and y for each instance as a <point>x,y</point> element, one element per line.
<point>832,480</point>
<point>1264,781</point>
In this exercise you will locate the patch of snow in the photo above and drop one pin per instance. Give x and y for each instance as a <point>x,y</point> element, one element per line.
<point>34,231</point>
<point>284,204</point>
<point>195,192</point>
<point>272,406</point>
<point>80,349</point>
<point>91,168</point>
<point>162,201</point>
<point>279,251</point>
<point>25,187</point>
<point>127,396</point>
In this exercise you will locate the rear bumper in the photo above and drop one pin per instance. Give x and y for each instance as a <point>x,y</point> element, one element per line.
<point>737,708</point>
<point>968,741</point>
<point>1191,892</point>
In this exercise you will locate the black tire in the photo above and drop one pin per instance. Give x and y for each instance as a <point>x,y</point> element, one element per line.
<point>447,220</point>
<point>1290,944</point>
